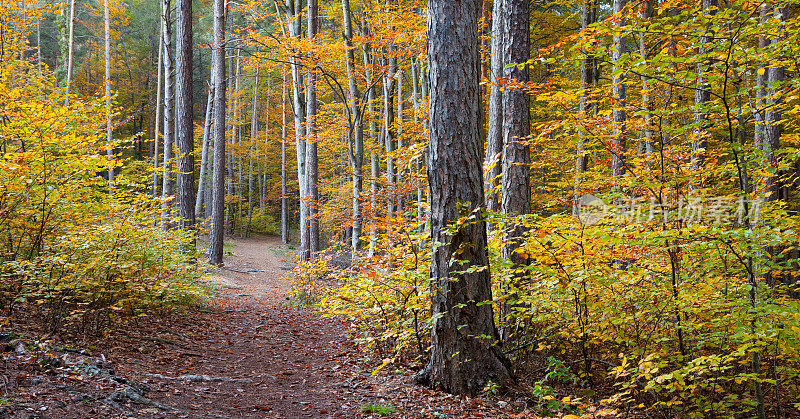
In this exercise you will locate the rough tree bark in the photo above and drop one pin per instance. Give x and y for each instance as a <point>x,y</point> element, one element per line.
<point>465,354</point>
<point>218,182</point>
<point>494,137</point>
<point>589,76</point>
<point>516,193</point>
<point>184,121</point>
<point>702,94</point>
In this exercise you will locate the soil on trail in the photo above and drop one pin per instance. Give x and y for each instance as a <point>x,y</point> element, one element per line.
<point>254,353</point>
<point>249,353</point>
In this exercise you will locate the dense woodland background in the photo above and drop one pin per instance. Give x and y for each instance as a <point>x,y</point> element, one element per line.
<point>640,180</point>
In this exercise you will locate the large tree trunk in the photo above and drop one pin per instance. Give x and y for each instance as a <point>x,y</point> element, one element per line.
<point>516,194</point>
<point>355,126</point>
<point>465,354</point>
<point>618,93</point>
<point>218,182</point>
<point>184,122</point>
<point>494,137</point>
<point>589,77</point>
<point>169,92</point>
<point>311,141</point>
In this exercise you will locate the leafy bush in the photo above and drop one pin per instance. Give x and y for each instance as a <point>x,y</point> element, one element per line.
<point>78,249</point>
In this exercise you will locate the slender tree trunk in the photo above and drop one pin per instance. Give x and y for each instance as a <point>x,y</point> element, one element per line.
<point>355,126</point>
<point>418,161</point>
<point>158,112</point>
<point>465,354</point>
<point>618,92</point>
<point>169,92</point>
<point>589,77</point>
<point>109,126</point>
<point>262,188</point>
<point>389,135</point>
<point>770,132</point>
<point>253,141</point>
<point>399,132</point>
<point>702,95</point>
<point>217,233</point>
<point>205,154</point>
<point>284,198</point>
<point>647,106</point>
<point>70,46</point>
<point>373,136</point>
<point>494,137</point>
<point>311,140</point>
<point>293,15</point>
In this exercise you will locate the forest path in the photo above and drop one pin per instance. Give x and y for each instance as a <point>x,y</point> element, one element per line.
<point>262,357</point>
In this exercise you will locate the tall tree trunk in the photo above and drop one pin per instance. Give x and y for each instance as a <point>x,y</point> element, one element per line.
<point>253,141</point>
<point>516,194</point>
<point>589,77</point>
<point>355,126</point>
<point>184,123</point>
<point>494,137</point>
<point>169,125</point>
<point>618,92</point>
<point>284,198</point>
<point>647,106</point>
<point>293,12</point>
<point>464,350</point>
<point>70,46</point>
<point>389,134</point>
<point>217,232</point>
<point>399,130</point>
<point>158,111</point>
<point>204,155</point>
<point>109,126</point>
<point>772,116</point>
<point>373,136</point>
<point>311,140</point>
<point>702,94</point>
<point>418,161</point>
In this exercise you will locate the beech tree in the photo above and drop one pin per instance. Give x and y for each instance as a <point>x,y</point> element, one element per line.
<point>465,353</point>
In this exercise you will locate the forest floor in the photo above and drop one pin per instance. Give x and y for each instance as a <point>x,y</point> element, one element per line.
<point>249,353</point>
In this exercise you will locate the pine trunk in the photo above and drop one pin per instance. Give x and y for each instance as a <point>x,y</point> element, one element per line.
<point>217,232</point>
<point>464,350</point>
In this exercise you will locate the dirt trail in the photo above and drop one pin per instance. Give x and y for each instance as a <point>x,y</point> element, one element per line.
<point>265,359</point>
<point>248,354</point>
